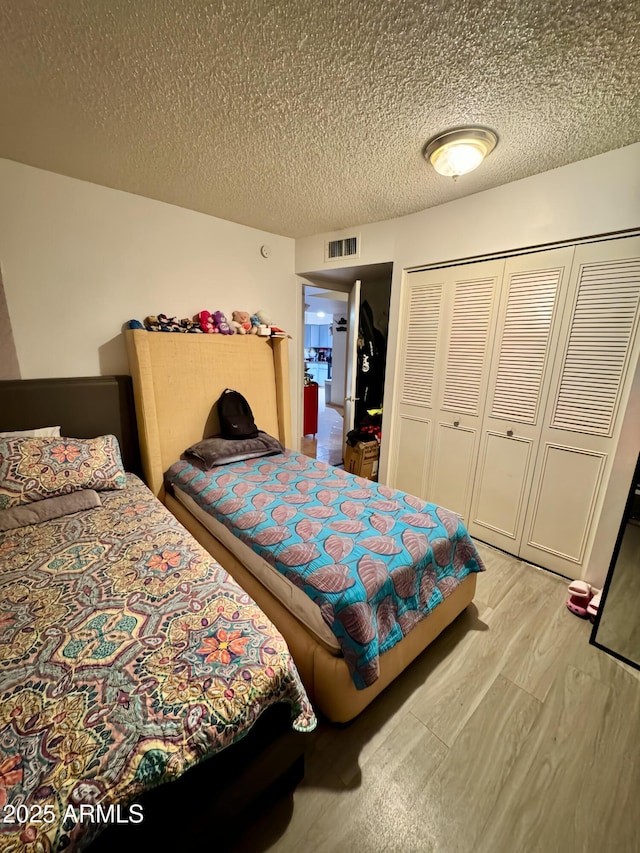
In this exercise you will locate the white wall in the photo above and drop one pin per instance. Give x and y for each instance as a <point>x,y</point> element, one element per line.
<point>79,260</point>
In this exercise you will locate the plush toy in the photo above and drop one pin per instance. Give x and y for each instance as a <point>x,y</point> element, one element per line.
<point>221,323</point>
<point>264,323</point>
<point>241,322</point>
<point>263,318</point>
<point>135,324</point>
<point>168,324</point>
<point>205,318</point>
<point>151,323</point>
<point>255,322</point>
<point>188,325</point>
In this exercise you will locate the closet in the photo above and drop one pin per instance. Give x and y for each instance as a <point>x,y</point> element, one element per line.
<point>513,378</point>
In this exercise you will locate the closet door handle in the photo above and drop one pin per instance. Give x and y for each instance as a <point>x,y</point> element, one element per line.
<point>456,422</point>
<point>509,432</point>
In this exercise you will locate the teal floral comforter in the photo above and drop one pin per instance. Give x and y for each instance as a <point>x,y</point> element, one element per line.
<point>127,655</point>
<point>374,559</point>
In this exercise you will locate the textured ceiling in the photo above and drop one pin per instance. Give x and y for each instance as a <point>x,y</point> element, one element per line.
<point>302,116</point>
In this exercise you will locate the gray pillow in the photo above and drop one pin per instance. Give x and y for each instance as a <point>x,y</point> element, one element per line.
<point>221,451</point>
<point>34,513</point>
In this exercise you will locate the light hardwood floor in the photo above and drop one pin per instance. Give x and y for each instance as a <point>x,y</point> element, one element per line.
<point>510,734</point>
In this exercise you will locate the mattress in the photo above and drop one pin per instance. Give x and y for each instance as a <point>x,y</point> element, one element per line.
<point>127,655</point>
<point>375,560</point>
<point>292,597</point>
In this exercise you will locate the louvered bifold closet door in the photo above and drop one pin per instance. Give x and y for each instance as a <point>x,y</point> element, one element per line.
<point>533,292</point>
<point>417,380</point>
<point>589,389</point>
<point>470,307</point>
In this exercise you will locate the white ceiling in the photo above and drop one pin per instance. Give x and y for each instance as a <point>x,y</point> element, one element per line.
<point>328,302</point>
<point>302,116</point>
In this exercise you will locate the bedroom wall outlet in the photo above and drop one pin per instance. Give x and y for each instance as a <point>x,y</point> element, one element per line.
<point>265,251</point>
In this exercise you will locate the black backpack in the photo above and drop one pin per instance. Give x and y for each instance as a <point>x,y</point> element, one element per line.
<point>236,417</point>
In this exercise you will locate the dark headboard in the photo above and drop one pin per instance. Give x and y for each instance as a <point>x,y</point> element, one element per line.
<point>84,407</point>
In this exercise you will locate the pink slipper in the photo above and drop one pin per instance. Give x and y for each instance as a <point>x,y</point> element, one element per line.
<point>580,595</point>
<point>594,606</point>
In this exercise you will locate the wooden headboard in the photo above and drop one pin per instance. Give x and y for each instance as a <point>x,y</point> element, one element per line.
<point>84,407</point>
<point>177,379</point>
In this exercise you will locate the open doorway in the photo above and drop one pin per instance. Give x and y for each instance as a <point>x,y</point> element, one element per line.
<point>325,333</point>
<point>344,357</point>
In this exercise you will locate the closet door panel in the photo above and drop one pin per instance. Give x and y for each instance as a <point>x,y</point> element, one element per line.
<point>468,338</point>
<point>419,364</point>
<point>563,506</point>
<point>452,471</point>
<point>470,306</point>
<point>500,488</point>
<point>413,442</point>
<point>421,335</point>
<point>605,315</point>
<point>533,294</point>
<point>588,392</point>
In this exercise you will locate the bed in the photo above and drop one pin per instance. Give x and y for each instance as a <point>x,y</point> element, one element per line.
<point>177,380</point>
<point>128,656</point>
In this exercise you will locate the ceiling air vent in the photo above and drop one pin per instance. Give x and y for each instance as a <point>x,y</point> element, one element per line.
<point>346,248</point>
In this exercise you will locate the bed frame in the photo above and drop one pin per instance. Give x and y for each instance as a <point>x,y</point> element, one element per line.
<point>83,406</point>
<point>269,760</point>
<point>177,380</point>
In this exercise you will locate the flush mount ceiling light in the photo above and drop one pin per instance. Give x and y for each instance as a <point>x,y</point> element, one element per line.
<point>457,152</point>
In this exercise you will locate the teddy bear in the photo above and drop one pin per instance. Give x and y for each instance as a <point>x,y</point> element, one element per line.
<point>241,322</point>
<point>222,324</point>
<point>205,319</point>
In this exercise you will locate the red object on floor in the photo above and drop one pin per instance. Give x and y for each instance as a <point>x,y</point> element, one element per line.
<point>310,417</point>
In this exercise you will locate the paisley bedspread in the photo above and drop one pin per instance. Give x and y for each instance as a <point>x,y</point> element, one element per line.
<point>127,655</point>
<point>374,559</point>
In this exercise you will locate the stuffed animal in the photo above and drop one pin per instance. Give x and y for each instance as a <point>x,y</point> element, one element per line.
<point>188,325</point>
<point>221,323</point>
<point>264,323</point>
<point>168,324</point>
<point>263,318</point>
<point>205,318</point>
<point>135,324</point>
<point>241,322</point>
<point>151,323</point>
<point>255,322</point>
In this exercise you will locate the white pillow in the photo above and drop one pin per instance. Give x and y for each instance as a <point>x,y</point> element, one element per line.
<point>40,432</point>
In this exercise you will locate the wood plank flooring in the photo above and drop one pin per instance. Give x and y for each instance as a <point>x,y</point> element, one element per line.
<point>510,734</point>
